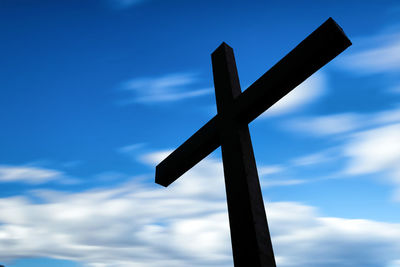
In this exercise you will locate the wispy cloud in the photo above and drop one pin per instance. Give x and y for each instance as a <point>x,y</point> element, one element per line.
<point>270,169</point>
<point>304,94</point>
<point>132,150</point>
<point>315,158</point>
<point>343,123</point>
<point>367,143</point>
<point>154,158</point>
<point>184,225</point>
<point>266,172</point>
<point>167,88</point>
<point>28,174</point>
<point>281,182</point>
<point>374,150</point>
<point>328,124</point>
<point>376,54</point>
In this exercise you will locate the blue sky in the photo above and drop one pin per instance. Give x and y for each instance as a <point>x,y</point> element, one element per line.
<point>94,94</point>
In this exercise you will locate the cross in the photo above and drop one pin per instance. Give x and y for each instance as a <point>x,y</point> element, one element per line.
<point>250,238</point>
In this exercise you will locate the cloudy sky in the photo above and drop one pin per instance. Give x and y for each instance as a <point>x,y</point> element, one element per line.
<point>94,94</point>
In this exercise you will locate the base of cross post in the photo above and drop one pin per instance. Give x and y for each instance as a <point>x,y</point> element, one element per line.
<point>251,241</point>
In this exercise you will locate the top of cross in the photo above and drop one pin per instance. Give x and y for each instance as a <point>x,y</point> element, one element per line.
<point>320,47</point>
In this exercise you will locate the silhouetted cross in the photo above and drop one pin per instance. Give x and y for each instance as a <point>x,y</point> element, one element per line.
<point>251,241</point>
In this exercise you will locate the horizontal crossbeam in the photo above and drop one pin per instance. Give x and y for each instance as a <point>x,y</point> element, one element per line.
<point>320,47</point>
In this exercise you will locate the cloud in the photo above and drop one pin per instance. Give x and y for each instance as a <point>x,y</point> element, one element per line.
<point>132,150</point>
<point>386,117</point>
<point>328,124</point>
<point>270,169</point>
<point>374,150</point>
<point>167,88</point>
<point>368,143</point>
<point>276,182</point>
<point>315,158</point>
<point>152,159</point>
<point>266,172</point>
<point>376,54</point>
<point>186,224</point>
<point>28,174</point>
<point>342,123</point>
<point>304,94</point>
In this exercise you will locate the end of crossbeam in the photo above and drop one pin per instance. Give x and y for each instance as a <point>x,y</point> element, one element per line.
<point>331,21</point>
<point>336,32</point>
<point>319,48</point>
<point>197,147</point>
<point>160,179</point>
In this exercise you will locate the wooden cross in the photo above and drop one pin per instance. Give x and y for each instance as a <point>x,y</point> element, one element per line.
<point>251,241</point>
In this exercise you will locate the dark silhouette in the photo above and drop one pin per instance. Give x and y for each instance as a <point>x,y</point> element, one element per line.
<point>251,242</point>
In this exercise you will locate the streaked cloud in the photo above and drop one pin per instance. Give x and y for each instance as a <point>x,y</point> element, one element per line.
<point>132,150</point>
<point>270,176</point>
<point>328,124</point>
<point>281,182</point>
<point>370,142</point>
<point>304,94</point>
<point>343,123</point>
<point>184,225</point>
<point>167,88</point>
<point>154,158</point>
<point>386,116</point>
<point>367,144</point>
<point>375,54</point>
<point>270,169</point>
<point>374,150</point>
<point>315,158</point>
<point>28,174</point>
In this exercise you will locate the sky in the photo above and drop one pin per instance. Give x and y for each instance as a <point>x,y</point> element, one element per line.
<point>95,93</point>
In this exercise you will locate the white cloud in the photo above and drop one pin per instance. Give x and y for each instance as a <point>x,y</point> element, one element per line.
<point>369,144</point>
<point>270,169</point>
<point>315,158</point>
<point>132,150</point>
<point>328,124</point>
<point>305,93</point>
<point>343,123</point>
<point>381,54</point>
<point>167,88</point>
<point>276,182</point>
<point>154,158</point>
<point>138,224</point>
<point>374,150</point>
<point>386,117</point>
<point>394,264</point>
<point>28,174</point>
<point>265,172</point>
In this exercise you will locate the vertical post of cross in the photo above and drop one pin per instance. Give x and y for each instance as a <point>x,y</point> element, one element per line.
<point>251,241</point>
